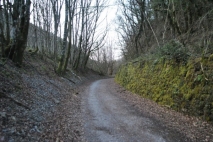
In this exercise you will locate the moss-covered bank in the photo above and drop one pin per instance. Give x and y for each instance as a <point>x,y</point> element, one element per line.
<point>184,87</point>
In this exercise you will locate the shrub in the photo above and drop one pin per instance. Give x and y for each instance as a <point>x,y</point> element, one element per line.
<point>174,50</point>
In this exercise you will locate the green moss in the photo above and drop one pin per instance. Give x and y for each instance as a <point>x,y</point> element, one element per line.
<point>179,86</point>
<point>211,57</point>
<point>188,96</point>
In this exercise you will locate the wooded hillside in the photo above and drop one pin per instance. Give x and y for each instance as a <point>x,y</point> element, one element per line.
<point>168,45</point>
<point>150,26</point>
<point>64,30</point>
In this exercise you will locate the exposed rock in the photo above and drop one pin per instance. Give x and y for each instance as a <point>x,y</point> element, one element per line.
<point>56,101</point>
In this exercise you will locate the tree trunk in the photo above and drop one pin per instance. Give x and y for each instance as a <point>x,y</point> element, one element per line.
<point>19,34</point>
<point>59,70</point>
<point>56,7</point>
<point>86,60</point>
<point>77,61</point>
<point>2,38</point>
<point>67,57</point>
<point>7,39</point>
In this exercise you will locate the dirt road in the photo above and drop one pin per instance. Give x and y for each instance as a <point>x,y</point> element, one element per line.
<point>109,118</point>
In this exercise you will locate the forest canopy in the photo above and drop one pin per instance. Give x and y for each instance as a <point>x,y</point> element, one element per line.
<point>166,27</point>
<point>64,30</point>
<point>175,29</point>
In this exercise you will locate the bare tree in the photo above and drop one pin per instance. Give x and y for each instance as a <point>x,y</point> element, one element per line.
<point>20,13</point>
<point>72,9</point>
<point>64,45</point>
<point>4,26</point>
<point>87,31</point>
<point>56,8</point>
<point>102,60</point>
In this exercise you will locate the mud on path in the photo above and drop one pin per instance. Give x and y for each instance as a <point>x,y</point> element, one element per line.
<point>110,113</point>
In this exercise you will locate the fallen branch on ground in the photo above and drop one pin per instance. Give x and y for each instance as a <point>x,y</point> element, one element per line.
<point>3,95</point>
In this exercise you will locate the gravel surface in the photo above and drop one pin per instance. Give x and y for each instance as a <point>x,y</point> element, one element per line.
<point>109,118</point>
<point>38,108</point>
<point>36,105</point>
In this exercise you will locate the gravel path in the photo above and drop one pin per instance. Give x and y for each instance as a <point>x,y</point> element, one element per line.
<point>111,113</point>
<point>109,118</point>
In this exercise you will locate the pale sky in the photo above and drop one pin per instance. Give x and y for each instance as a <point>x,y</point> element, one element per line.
<point>110,13</point>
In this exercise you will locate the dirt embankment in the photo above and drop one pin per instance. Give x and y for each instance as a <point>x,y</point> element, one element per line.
<point>183,86</point>
<point>192,128</point>
<point>38,105</point>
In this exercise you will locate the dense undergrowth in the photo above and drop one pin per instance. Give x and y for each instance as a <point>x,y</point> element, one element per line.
<point>183,86</point>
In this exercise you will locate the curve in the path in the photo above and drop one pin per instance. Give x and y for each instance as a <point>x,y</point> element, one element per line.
<point>110,119</point>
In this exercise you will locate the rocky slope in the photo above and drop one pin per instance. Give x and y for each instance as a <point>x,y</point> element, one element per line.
<point>38,105</point>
